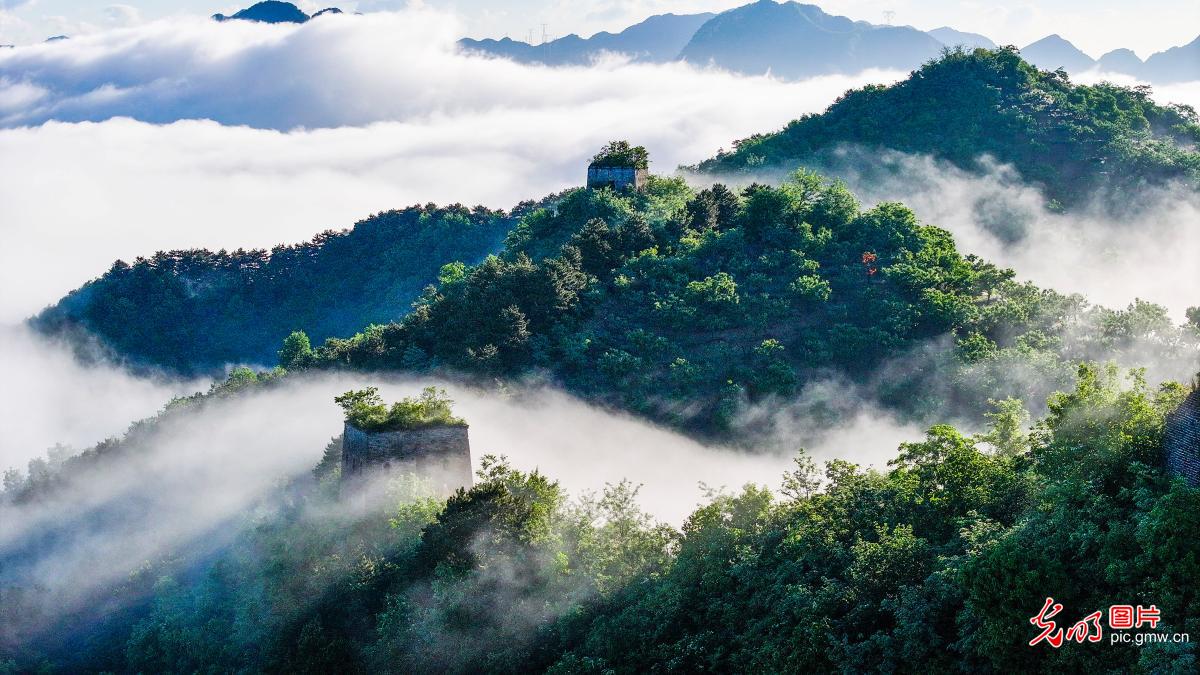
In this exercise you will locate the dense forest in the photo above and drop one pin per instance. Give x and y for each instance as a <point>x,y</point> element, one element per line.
<point>1070,140</point>
<point>934,565</point>
<point>687,307</point>
<point>197,310</point>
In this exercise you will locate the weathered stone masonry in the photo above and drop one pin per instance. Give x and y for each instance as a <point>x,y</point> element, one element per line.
<point>440,454</point>
<point>1182,440</point>
<point>616,177</point>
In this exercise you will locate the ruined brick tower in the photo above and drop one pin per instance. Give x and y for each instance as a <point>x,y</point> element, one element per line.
<point>440,454</point>
<point>1181,442</point>
<point>619,166</point>
<point>616,177</point>
<point>415,435</point>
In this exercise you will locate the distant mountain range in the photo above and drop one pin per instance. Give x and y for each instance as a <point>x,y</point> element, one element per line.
<point>789,40</point>
<point>954,38</point>
<point>273,11</point>
<point>657,39</point>
<point>794,40</point>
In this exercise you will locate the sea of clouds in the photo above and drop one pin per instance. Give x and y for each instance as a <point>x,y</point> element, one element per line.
<point>189,133</point>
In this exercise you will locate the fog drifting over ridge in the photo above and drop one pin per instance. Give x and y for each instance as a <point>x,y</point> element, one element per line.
<point>1110,259</point>
<point>76,196</point>
<point>340,71</point>
<point>458,128</point>
<point>50,398</point>
<point>200,472</point>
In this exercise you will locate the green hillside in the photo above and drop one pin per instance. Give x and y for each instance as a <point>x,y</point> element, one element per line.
<point>688,306</point>
<point>934,565</point>
<point>1069,139</point>
<point>198,310</point>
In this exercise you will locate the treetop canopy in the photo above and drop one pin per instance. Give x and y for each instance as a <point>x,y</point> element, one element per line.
<point>621,154</point>
<point>366,410</point>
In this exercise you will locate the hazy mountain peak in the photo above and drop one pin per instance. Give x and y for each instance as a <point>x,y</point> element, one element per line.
<point>1177,64</point>
<point>1054,51</point>
<point>1121,61</point>
<point>954,38</point>
<point>269,11</point>
<point>796,40</point>
<point>656,39</point>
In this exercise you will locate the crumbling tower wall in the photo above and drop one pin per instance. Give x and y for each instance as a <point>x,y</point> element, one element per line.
<point>617,177</point>
<point>1181,443</point>
<point>440,454</point>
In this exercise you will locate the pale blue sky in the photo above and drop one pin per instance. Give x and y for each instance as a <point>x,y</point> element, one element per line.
<point>1096,26</point>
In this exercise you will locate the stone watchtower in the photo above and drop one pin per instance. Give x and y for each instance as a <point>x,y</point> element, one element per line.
<point>1181,441</point>
<point>616,177</point>
<point>418,436</point>
<point>619,167</point>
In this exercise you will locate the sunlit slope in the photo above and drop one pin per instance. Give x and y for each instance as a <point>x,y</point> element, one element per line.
<point>1068,139</point>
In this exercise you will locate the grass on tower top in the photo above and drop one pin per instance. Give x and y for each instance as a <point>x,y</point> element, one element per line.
<point>366,410</point>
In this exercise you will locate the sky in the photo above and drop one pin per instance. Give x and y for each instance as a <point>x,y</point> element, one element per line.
<point>1096,26</point>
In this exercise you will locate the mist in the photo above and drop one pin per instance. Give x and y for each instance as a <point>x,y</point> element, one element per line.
<point>197,156</point>
<point>1112,259</point>
<point>50,398</point>
<point>184,484</point>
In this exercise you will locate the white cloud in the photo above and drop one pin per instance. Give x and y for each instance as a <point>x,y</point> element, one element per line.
<point>75,197</point>
<point>186,484</point>
<point>456,128</point>
<point>122,15</point>
<point>49,398</point>
<point>345,70</point>
<point>1187,93</point>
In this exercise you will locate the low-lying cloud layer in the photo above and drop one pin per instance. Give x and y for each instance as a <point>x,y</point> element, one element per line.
<point>49,398</point>
<point>439,126</point>
<point>200,471</point>
<point>1111,259</point>
<point>339,71</point>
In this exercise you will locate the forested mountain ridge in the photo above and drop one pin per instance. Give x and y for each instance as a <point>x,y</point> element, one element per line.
<point>1069,139</point>
<point>938,560</point>
<point>198,310</point>
<point>1053,52</point>
<point>688,306</point>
